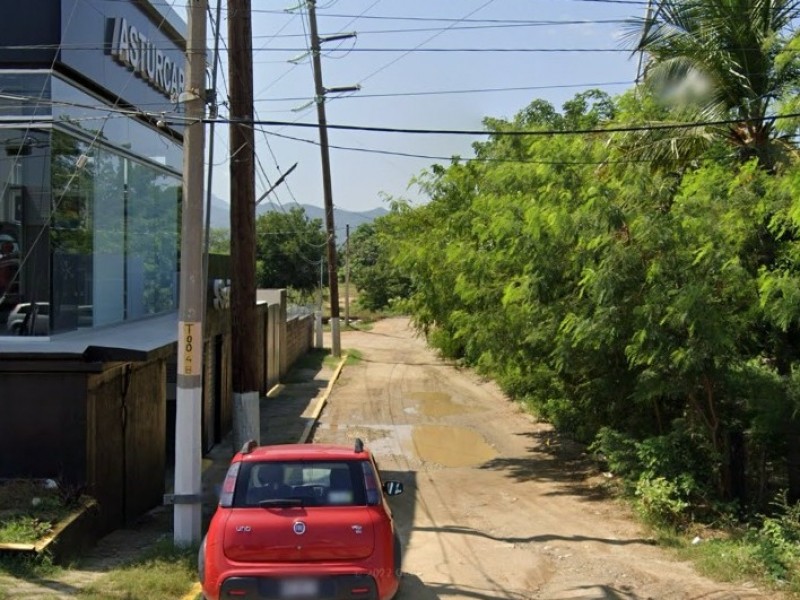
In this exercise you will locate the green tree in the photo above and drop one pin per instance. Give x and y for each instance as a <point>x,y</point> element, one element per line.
<point>655,302</point>
<point>377,279</point>
<point>289,247</point>
<point>219,240</point>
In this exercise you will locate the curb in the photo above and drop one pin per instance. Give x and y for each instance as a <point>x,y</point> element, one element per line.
<point>321,402</point>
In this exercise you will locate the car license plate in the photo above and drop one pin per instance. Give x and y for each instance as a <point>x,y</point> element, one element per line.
<point>299,588</point>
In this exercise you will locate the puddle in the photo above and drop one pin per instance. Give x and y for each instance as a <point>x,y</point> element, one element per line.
<point>437,404</point>
<point>451,446</point>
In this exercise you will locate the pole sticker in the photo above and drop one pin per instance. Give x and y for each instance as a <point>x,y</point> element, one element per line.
<point>190,348</point>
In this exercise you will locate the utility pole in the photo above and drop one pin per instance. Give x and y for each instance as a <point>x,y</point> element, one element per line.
<point>347,276</point>
<point>318,316</point>
<point>188,487</point>
<point>214,113</point>
<point>246,417</point>
<point>327,188</point>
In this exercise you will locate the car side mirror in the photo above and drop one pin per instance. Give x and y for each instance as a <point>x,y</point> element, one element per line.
<point>393,488</point>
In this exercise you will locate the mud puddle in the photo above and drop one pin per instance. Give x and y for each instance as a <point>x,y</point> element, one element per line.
<point>437,404</point>
<point>451,446</point>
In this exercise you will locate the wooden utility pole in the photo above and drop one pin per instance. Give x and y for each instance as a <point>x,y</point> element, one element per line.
<point>347,276</point>
<point>327,188</point>
<point>188,452</point>
<point>246,418</point>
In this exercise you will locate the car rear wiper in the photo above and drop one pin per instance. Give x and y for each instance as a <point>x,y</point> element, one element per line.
<point>281,502</point>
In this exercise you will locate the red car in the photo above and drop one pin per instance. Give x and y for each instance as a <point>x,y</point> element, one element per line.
<point>302,521</point>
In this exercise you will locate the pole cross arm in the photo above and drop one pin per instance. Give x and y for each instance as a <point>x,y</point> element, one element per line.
<point>337,37</point>
<point>343,89</point>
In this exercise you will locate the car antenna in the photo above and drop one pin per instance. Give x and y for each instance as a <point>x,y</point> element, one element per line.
<point>359,446</point>
<point>249,446</point>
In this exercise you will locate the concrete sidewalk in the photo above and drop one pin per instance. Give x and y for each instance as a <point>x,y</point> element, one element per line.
<point>288,415</point>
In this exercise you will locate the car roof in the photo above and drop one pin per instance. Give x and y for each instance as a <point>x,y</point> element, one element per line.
<point>294,452</point>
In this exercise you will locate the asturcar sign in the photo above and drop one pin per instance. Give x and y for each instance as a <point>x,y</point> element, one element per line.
<point>133,49</point>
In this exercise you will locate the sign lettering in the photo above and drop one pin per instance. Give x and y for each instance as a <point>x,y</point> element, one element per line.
<point>134,50</point>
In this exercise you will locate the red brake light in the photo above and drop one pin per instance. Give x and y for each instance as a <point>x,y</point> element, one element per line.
<point>229,485</point>
<point>370,484</point>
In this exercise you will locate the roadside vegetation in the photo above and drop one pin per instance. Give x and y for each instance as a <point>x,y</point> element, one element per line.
<point>163,572</point>
<point>637,284</point>
<point>30,508</point>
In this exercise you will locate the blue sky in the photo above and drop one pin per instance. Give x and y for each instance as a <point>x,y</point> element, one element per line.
<point>360,178</point>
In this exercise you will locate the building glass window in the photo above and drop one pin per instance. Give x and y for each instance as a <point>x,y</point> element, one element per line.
<point>152,250</point>
<point>24,244</point>
<point>25,94</point>
<point>88,235</point>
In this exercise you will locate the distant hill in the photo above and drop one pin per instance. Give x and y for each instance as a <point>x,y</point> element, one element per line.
<point>220,214</point>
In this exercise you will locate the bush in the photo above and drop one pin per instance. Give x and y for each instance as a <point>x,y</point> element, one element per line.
<point>778,542</point>
<point>661,502</point>
<point>664,473</point>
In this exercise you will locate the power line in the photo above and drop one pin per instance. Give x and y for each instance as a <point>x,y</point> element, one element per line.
<point>469,49</point>
<point>534,132</point>
<point>511,25</point>
<point>422,43</point>
<point>384,152</point>
<point>465,91</point>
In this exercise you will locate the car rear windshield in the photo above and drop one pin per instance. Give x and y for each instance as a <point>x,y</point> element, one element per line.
<point>312,483</point>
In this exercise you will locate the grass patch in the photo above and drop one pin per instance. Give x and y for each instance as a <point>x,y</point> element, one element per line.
<point>28,567</point>
<point>738,559</point>
<point>736,555</point>
<point>163,572</point>
<point>353,358</point>
<point>29,509</point>
<point>362,325</point>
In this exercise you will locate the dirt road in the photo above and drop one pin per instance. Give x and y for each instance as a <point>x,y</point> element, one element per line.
<point>495,506</point>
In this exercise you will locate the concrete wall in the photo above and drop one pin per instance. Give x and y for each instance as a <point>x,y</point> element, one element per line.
<point>299,339</point>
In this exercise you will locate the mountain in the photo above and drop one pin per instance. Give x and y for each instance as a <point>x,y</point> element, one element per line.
<point>220,214</point>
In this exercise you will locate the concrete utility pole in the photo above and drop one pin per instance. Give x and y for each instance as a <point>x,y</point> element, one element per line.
<point>188,449</point>
<point>246,417</point>
<point>319,92</point>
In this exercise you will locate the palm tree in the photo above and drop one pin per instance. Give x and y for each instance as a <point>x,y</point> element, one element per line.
<point>719,60</point>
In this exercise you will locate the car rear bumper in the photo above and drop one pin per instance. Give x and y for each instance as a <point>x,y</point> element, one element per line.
<point>328,587</point>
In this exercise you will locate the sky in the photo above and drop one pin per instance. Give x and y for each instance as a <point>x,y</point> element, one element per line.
<point>388,75</point>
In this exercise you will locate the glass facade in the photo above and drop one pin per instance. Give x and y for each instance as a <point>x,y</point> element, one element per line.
<point>89,212</point>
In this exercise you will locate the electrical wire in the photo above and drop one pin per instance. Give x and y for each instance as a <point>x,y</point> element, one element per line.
<point>422,43</point>
<point>530,132</point>
<point>379,151</point>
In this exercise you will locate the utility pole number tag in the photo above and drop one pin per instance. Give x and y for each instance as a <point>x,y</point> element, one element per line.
<point>190,347</point>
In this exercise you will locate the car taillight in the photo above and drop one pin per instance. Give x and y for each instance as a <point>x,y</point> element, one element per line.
<point>229,485</point>
<point>371,484</point>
